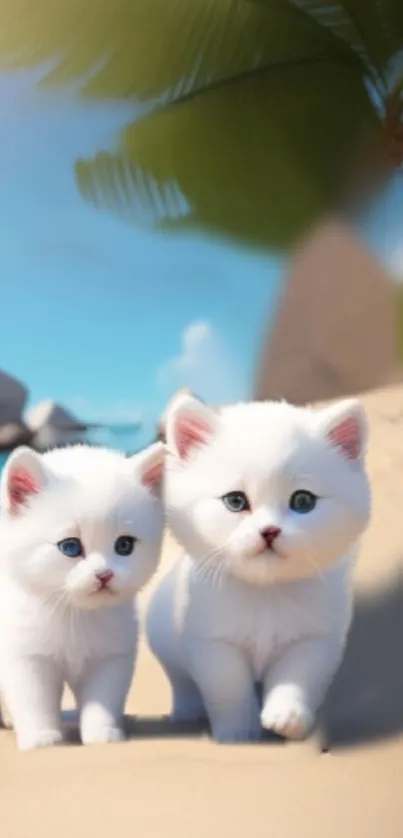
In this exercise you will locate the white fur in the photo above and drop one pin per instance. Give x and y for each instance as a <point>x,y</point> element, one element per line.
<point>56,625</point>
<point>232,613</point>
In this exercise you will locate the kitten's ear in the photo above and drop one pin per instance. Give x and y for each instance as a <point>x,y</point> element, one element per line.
<point>184,391</point>
<point>24,475</point>
<point>345,427</point>
<point>148,465</point>
<point>189,424</point>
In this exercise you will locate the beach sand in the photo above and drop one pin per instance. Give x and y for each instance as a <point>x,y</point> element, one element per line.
<point>165,782</point>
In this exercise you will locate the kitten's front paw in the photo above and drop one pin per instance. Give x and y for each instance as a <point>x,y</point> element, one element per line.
<point>102,735</point>
<point>287,717</point>
<point>40,739</point>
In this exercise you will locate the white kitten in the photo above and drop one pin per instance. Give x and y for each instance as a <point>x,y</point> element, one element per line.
<point>80,534</point>
<point>268,501</point>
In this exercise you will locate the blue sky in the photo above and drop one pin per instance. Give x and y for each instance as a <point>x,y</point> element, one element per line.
<point>107,317</point>
<point>103,316</point>
<point>383,229</point>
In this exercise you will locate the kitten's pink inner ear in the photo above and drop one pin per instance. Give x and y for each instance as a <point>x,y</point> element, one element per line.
<point>21,485</point>
<point>347,437</point>
<point>190,430</point>
<point>152,475</point>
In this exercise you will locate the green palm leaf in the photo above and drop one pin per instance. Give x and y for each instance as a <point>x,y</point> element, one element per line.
<point>372,28</point>
<point>257,160</point>
<point>258,104</point>
<point>150,48</point>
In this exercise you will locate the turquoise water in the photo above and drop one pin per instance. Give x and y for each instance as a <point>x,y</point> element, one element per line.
<point>125,444</point>
<point>121,436</point>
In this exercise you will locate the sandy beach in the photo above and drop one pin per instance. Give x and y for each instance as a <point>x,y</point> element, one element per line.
<point>172,782</point>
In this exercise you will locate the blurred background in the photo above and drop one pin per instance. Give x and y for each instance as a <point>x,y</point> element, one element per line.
<point>203,194</point>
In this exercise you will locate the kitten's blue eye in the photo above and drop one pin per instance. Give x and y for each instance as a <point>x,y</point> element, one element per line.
<point>236,501</point>
<point>124,545</point>
<point>303,501</point>
<point>71,547</point>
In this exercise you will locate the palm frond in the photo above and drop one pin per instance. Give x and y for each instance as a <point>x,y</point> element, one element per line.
<point>258,159</point>
<point>257,105</point>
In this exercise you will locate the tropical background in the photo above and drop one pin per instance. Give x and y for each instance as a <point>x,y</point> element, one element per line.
<point>159,161</point>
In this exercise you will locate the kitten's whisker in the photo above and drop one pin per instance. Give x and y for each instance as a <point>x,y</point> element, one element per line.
<point>58,600</point>
<point>316,567</point>
<point>55,597</point>
<point>211,566</point>
<point>310,556</point>
<point>73,622</point>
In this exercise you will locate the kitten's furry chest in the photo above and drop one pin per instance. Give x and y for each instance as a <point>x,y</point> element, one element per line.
<point>72,637</point>
<point>262,621</point>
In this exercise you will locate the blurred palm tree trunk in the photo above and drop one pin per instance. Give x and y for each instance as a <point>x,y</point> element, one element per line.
<point>335,332</point>
<point>338,327</point>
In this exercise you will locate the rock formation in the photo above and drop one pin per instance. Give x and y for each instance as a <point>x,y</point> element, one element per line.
<point>13,396</point>
<point>53,425</point>
<point>13,434</point>
<point>335,331</point>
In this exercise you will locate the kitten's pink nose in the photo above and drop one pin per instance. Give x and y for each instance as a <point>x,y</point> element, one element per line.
<point>105,577</point>
<point>269,534</point>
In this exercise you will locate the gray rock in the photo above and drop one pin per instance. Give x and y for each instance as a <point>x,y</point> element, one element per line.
<point>13,396</point>
<point>52,425</point>
<point>13,434</point>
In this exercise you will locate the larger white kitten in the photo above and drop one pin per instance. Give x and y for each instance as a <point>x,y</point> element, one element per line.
<point>80,534</point>
<point>268,501</point>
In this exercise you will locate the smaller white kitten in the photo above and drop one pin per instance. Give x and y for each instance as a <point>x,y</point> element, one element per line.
<point>80,534</point>
<point>268,501</point>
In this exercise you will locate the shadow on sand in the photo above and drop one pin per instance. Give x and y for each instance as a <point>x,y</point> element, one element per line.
<point>365,702</point>
<point>155,727</point>
<point>139,727</point>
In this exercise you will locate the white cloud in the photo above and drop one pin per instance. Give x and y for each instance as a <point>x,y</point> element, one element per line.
<point>204,364</point>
